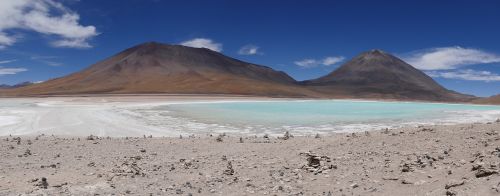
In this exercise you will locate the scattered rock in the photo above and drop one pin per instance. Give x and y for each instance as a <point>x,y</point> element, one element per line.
<point>229,170</point>
<point>129,167</point>
<point>27,152</point>
<point>48,166</point>
<point>317,163</point>
<point>485,172</point>
<point>406,181</point>
<point>219,138</point>
<point>454,183</point>
<point>390,178</point>
<point>286,136</point>
<point>481,171</point>
<point>92,137</point>
<point>406,168</point>
<point>42,183</point>
<point>450,193</point>
<point>60,185</point>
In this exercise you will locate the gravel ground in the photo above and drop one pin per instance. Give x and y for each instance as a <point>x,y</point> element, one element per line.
<point>430,160</point>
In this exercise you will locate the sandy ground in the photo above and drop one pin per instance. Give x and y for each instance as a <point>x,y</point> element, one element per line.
<point>431,160</point>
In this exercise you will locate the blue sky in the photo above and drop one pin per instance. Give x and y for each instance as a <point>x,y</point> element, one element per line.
<point>455,42</point>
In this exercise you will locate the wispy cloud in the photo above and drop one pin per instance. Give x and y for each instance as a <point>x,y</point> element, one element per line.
<point>332,60</point>
<point>203,43</point>
<point>47,17</point>
<point>11,71</point>
<point>466,74</point>
<point>7,61</point>
<point>48,60</point>
<point>327,61</point>
<point>249,50</point>
<point>447,58</point>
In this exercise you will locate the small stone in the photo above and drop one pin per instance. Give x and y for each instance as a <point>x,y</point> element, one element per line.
<point>485,172</point>
<point>405,181</point>
<point>454,183</point>
<point>450,193</point>
<point>44,184</point>
<point>354,185</point>
<point>229,170</point>
<point>406,168</point>
<point>219,138</point>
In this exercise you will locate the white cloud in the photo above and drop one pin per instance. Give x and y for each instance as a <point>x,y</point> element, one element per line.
<point>249,50</point>
<point>449,58</point>
<point>332,60</point>
<point>7,61</point>
<point>307,63</point>
<point>327,61</point>
<point>11,71</point>
<point>466,74</point>
<point>203,43</point>
<point>47,17</point>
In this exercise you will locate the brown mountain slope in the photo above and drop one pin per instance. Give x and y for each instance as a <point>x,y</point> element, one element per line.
<point>377,74</point>
<point>161,68</point>
<point>489,100</point>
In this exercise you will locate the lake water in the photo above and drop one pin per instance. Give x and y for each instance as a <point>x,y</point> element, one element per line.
<point>174,118</point>
<point>332,115</point>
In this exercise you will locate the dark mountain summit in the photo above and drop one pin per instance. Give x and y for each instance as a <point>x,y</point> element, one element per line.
<point>378,74</point>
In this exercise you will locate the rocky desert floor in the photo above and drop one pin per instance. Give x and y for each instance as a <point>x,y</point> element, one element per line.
<point>430,160</point>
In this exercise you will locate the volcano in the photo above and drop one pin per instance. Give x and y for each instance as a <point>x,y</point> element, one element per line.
<point>377,74</point>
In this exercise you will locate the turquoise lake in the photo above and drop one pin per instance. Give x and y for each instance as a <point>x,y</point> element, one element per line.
<point>333,115</point>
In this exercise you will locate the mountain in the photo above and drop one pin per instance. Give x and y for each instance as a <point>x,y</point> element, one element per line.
<point>19,85</point>
<point>377,74</point>
<point>160,68</point>
<point>489,100</point>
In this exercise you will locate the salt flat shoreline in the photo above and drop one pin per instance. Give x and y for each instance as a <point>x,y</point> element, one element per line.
<point>127,116</point>
<point>430,160</point>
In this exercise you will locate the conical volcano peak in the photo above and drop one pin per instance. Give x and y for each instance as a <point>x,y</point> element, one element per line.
<point>376,54</point>
<point>377,51</point>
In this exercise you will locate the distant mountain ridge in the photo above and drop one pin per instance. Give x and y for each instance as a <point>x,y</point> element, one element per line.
<point>495,99</point>
<point>161,68</point>
<point>19,85</point>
